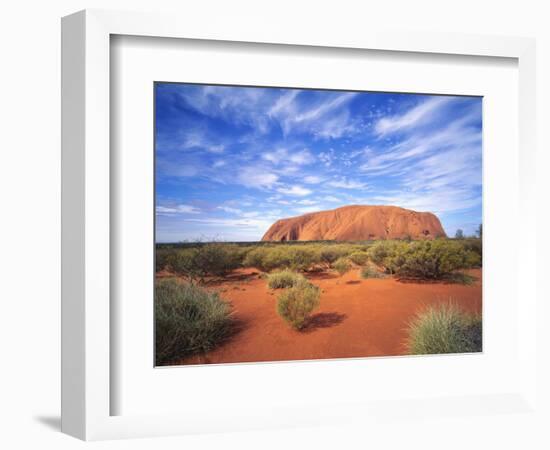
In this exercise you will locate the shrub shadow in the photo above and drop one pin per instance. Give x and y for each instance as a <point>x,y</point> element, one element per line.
<point>321,275</point>
<point>232,278</point>
<point>353,282</point>
<point>323,320</point>
<point>456,278</point>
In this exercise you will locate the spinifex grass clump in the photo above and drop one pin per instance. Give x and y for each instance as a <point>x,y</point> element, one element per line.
<point>284,279</point>
<point>342,266</point>
<point>445,329</point>
<point>296,304</point>
<point>188,320</point>
<point>370,271</point>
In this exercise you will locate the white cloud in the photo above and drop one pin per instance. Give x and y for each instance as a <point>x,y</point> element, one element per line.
<point>294,190</point>
<point>325,117</point>
<point>197,139</point>
<point>230,210</point>
<point>327,158</point>
<point>306,202</point>
<point>344,183</point>
<point>331,198</point>
<point>313,179</point>
<point>177,209</point>
<point>413,117</point>
<point>281,155</point>
<point>257,177</point>
<point>284,102</point>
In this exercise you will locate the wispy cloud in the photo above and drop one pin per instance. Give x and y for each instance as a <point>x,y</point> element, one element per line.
<point>413,117</point>
<point>294,190</point>
<point>177,209</point>
<point>344,183</point>
<point>301,157</point>
<point>256,177</point>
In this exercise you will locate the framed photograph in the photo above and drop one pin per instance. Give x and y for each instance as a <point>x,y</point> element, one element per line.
<point>309,212</point>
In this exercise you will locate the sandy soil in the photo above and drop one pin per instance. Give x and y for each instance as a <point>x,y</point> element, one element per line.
<point>356,318</point>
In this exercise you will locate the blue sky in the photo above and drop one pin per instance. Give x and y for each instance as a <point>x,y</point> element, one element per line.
<point>230,161</point>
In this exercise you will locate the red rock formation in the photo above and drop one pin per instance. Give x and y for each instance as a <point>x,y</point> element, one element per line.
<point>355,223</point>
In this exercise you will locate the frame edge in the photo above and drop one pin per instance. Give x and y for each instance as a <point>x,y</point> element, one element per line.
<point>73,135</point>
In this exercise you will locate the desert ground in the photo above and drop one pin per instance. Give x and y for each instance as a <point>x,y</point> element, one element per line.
<point>356,317</point>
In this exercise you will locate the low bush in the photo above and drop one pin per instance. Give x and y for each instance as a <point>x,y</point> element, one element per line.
<point>359,258</point>
<point>328,254</point>
<point>445,329</point>
<point>209,259</point>
<point>188,320</point>
<point>431,259</point>
<point>282,257</point>
<point>217,259</point>
<point>284,279</point>
<point>381,252</point>
<point>342,266</point>
<point>369,271</point>
<point>296,304</point>
<point>163,258</point>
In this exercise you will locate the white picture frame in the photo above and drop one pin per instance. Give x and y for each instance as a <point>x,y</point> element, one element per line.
<point>86,216</point>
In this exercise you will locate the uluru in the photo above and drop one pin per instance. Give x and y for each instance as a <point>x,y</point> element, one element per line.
<point>356,223</point>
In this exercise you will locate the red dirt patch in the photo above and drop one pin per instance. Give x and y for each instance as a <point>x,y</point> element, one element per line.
<point>356,318</point>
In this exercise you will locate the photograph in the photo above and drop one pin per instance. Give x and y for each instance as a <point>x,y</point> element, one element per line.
<point>296,224</point>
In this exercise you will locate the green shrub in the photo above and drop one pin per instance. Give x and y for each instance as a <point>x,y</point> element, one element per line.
<point>255,257</point>
<point>445,329</point>
<point>382,252</point>
<point>210,259</point>
<point>182,262</point>
<point>342,266</point>
<point>163,259</point>
<point>188,320</point>
<point>369,271</point>
<point>359,258</point>
<point>296,304</point>
<point>217,259</point>
<point>302,258</point>
<point>284,279</point>
<point>328,254</point>
<point>282,257</point>
<point>430,259</point>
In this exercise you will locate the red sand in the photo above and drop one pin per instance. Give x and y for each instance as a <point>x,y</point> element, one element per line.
<point>356,317</point>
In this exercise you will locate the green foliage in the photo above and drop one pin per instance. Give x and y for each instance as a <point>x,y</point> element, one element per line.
<point>445,329</point>
<point>284,279</point>
<point>381,251</point>
<point>431,259</point>
<point>359,258</point>
<point>282,257</point>
<point>163,257</point>
<point>217,259</point>
<point>296,304</point>
<point>474,245</point>
<point>459,234</point>
<point>188,320</point>
<point>369,271</point>
<point>203,260</point>
<point>328,254</point>
<point>342,266</point>
<point>426,259</point>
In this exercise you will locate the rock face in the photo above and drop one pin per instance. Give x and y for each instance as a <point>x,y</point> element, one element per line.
<point>356,223</point>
